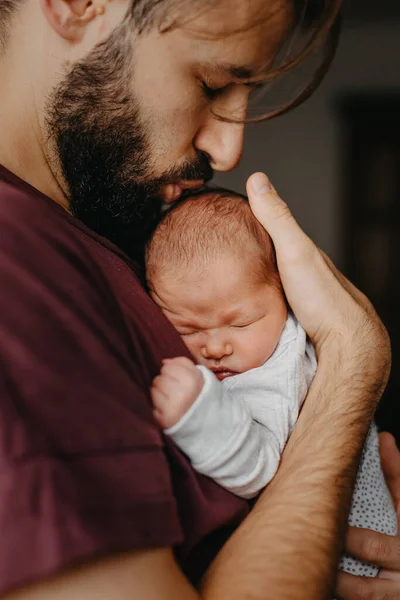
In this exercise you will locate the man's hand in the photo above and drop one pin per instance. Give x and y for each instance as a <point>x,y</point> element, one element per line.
<point>377,548</point>
<point>332,311</point>
<point>174,390</point>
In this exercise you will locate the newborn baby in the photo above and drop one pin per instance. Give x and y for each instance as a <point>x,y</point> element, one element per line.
<point>211,268</point>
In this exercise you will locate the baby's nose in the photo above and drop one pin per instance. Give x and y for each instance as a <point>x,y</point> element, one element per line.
<point>216,349</point>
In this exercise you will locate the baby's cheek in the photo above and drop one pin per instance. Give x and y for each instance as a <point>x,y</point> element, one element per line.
<point>257,349</point>
<point>193,347</point>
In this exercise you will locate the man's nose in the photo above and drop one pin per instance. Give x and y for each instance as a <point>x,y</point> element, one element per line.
<point>216,348</point>
<point>223,141</point>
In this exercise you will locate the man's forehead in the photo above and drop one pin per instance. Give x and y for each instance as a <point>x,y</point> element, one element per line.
<point>246,34</point>
<point>223,18</point>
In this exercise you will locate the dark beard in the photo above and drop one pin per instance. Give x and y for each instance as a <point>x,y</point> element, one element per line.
<point>101,145</point>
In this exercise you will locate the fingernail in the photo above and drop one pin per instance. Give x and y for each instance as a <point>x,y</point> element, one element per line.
<point>260,184</point>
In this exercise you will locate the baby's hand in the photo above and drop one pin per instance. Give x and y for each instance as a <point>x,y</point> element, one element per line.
<point>174,390</point>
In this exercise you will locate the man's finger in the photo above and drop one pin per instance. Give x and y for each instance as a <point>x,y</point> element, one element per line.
<point>392,575</point>
<point>390,459</point>
<point>366,588</point>
<point>373,547</point>
<point>275,216</point>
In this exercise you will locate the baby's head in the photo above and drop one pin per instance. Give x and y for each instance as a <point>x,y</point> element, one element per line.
<point>211,268</point>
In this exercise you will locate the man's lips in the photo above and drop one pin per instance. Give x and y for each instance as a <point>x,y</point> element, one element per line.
<point>172,191</point>
<point>222,372</point>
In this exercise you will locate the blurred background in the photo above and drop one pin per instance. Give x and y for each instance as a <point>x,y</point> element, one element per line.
<point>336,162</point>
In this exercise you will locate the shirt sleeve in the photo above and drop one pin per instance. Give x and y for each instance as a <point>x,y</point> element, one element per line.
<point>83,471</point>
<point>223,441</point>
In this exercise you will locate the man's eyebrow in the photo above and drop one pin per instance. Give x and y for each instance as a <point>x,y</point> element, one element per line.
<point>239,72</point>
<point>233,71</point>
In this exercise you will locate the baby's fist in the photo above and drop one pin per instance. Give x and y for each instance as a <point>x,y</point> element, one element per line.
<point>174,390</point>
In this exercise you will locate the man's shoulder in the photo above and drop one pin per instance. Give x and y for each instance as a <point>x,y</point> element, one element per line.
<point>19,199</point>
<point>38,237</point>
<point>32,216</point>
<point>50,277</point>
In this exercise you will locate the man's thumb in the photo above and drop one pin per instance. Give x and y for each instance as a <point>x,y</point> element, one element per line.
<point>272,212</point>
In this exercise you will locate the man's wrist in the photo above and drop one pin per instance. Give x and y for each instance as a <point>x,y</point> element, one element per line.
<point>357,362</point>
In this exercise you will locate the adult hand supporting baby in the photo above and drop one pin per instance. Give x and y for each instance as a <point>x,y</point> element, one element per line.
<point>377,548</point>
<point>295,533</point>
<point>326,304</point>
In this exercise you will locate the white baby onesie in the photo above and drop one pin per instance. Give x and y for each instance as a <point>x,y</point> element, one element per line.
<point>236,430</point>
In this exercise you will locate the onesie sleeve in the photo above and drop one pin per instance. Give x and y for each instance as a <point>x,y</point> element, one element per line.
<point>222,441</point>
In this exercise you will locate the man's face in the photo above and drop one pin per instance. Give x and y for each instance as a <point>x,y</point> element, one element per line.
<point>133,122</point>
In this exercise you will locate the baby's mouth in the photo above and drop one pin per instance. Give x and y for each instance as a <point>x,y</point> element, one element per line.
<point>222,372</point>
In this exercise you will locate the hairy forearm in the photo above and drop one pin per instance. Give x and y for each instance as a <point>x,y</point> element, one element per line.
<point>289,545</point>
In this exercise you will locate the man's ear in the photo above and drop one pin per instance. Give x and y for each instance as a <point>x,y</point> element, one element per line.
<point>70,17</point>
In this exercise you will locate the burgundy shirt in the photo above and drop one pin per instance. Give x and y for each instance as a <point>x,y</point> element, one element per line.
<point>84,469</point>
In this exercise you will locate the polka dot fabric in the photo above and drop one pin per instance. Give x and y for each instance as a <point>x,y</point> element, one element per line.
<point>372,506</point>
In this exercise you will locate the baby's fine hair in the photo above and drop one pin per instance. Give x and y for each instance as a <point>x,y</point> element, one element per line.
<point>205,226</point>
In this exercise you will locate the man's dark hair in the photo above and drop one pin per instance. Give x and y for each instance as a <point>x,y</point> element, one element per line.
<point>7,11</point>
<point>318,20</point>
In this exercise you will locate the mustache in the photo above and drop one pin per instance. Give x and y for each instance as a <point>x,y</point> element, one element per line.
<point>198,169</point>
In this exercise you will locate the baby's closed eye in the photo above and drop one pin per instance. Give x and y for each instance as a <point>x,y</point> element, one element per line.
<point>187,332</point>
<point>245,324</point>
